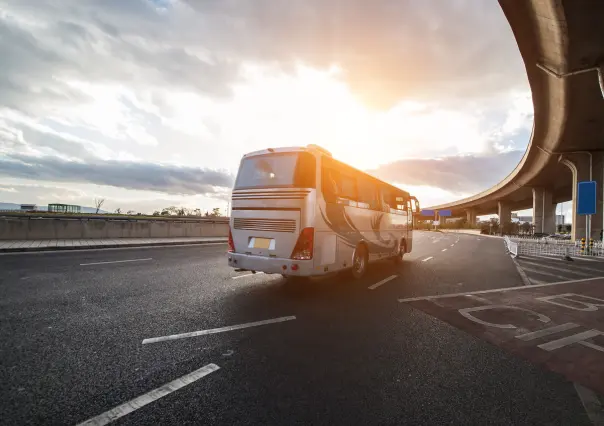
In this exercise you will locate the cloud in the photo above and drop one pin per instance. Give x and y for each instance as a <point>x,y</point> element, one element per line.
<point>123,174</point>
<point>387,49</point>
<point>465,174</point>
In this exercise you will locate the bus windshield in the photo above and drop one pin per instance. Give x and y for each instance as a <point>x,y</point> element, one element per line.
<point>289,169</point>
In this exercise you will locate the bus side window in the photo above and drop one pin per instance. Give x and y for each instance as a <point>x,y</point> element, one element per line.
<point>368,192</point>
<point>385,199</point>
<point>348,188</point>
<point>331,183</point>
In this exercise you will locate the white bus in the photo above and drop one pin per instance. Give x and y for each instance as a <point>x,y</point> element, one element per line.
<point>299,212</point>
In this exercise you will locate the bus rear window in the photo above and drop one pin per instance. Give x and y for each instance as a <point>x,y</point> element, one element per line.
<point>290,169</point>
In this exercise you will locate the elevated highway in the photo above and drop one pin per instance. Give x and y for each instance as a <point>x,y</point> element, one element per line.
<point>562,45</point>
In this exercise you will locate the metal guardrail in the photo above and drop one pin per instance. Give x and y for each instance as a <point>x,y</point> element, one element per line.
<point>511,246</point>
<point>556,247</point>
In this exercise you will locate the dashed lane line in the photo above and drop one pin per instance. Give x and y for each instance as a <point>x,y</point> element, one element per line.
<point>139,402</point>
<point>116,261</point>
<point>444,249</point>
<point>427,258</point>
<point>217,330</point>
<point>384,281</point>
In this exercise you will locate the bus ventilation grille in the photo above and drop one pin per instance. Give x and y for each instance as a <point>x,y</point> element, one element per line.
<point>272,225</point>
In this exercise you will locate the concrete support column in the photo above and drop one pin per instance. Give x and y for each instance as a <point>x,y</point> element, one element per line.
<point>544,211</point>
<point>471,217</point>
<point>505,214</point>
<point>586,166</point>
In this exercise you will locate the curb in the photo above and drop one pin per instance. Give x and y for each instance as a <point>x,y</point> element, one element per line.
<point>102,246</point>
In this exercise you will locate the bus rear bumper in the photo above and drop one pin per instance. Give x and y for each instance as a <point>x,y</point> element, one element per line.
<point>271,265</point>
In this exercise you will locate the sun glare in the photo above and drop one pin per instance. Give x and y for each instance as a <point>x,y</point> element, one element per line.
<point>314,106</point>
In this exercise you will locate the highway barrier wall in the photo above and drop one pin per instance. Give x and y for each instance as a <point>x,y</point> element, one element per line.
<point>41,228</point>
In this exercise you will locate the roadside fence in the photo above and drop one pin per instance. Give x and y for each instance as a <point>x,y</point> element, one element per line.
<point>553,247</point>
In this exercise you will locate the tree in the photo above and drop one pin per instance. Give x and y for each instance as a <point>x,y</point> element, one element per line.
<point>169,211</point>
<point>131,212</point>
<point>197,212</point>
<point>216,212</point>
<point>118,211</point>
<point>156,213</point>
<point>98,203</point>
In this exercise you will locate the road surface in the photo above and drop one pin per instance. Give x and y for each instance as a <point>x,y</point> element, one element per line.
<point>98,334</point>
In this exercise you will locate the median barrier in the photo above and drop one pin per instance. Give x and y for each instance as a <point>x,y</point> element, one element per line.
<point>73,227</point>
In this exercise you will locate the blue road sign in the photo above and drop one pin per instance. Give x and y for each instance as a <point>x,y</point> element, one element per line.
<point>586,198</point>
<point>427,212</point>
<point>444,213</point>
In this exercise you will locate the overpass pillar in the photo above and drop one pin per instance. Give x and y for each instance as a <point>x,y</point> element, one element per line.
<point>471,217</point>
<point>544,211</point>
<point>505,215</point>
<point>586,166</point>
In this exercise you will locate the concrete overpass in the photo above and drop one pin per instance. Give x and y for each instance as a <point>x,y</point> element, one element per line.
<point>562,45</point>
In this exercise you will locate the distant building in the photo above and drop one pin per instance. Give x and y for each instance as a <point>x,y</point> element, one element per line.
<point>64,208</point>
<point>28,207</point>
<point>560,219</point>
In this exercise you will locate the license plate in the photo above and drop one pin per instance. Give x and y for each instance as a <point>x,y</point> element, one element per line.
<point>262,243</point>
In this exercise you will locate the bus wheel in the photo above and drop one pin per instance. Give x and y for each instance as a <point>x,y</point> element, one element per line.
<point>359,262</point>
<point>402,249</point>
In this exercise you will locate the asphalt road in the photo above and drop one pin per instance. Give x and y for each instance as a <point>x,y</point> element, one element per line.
<point>72,331</point>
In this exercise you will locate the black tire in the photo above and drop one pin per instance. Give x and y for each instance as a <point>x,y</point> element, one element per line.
<point>360,261</point>
<point>402,249</point>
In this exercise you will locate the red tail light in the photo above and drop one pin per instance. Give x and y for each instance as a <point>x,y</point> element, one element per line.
<point>304,245</point>
<point>231,243</point>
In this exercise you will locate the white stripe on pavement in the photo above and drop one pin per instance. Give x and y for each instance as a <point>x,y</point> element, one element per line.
<point>495,290</point>
<point>546,331</point>
<point>444,250</point>
<point>554,268</point>
<point>247,275</point>
<point>116,261</point>
<point>139,402</point>
<point>427,258</point>
<point>547,274</point>
<point>217,330</point>
<point>384,281</point>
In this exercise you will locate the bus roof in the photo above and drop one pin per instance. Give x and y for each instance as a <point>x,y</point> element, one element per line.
<point>322,151</point>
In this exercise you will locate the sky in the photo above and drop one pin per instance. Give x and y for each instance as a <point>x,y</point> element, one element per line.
<point>152,103</point>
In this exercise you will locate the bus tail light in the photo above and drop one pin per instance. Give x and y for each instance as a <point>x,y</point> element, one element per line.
<point>304,245</point>
<point>231,243</point>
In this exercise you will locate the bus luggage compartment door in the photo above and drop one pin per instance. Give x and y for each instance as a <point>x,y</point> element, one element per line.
<point>265,232</point>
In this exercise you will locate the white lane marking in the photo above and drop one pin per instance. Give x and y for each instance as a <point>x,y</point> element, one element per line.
<point>427,258</point>
<point>247,275</point>
<point>547,274</point>
<point>384,281</point>
<point>452,244</point>
<point>444,250</point>
<point>554,268</point>
<point>591,403</point>
<point>140,401</point>
<point>478,298</point>
<point>523,276</point>
<point>569,340</point>
<point>217,330</point>
<point>115,261</point>
<point>546,331</point>
<point>495,290</point>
